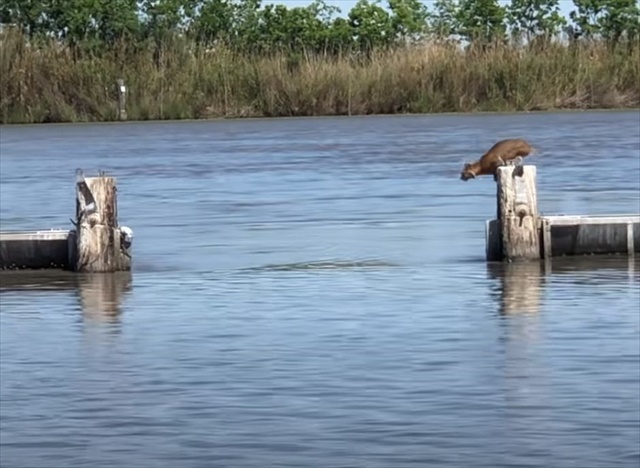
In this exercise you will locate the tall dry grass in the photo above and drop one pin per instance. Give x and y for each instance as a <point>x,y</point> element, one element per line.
<point>49,84</point>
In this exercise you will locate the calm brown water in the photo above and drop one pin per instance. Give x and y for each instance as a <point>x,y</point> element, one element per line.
<point>313,292</point>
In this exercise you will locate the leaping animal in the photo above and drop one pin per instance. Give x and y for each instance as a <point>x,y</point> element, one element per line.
<point>504,152</point>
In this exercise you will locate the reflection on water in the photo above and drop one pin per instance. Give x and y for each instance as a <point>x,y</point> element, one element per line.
<point>313,292</point>
<point>600,265</point>
<point>535,400</point>
<point>521,286</point>
<point>100,295</point>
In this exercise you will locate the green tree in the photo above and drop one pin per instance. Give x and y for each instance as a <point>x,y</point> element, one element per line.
<point>443,20</point>
<point>73,20</point>
<point>340,38</point>
<point>335,35</point>
<point>621,20</point>
<point>89,24</point>
<point>309,25</point>
<point>214,20</point>
<point>76,21</point>
<point>408,18</point>
<point>481,20</point>
<point>535,18</point>
<point>587,16</point>
<point>282,28</point>
<point>326,13</point>
<point>166,17</point>
<point>246,31</point>
<point>115,19</point>
<point>33,16</point>
<point>609,19</point>
<point>371,25</point>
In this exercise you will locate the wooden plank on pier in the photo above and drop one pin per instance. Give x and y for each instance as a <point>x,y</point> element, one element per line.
<point>588,235</point>
<point>572,220</point>
<point>33,250</point>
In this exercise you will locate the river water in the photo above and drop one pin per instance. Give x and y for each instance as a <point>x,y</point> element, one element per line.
<point>313,292</point>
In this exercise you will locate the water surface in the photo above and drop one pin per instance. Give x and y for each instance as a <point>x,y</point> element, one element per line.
<point>313,292</point>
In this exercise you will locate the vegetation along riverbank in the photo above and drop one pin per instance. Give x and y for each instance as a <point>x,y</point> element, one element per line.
<point>222,58</point>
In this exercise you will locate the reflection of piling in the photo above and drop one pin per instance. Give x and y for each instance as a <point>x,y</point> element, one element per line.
<point>593,263</point>
<point>521,283</point>
<point>521,233</point>
<point>101,295</point>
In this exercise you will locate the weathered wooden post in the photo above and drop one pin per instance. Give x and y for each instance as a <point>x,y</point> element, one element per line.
<point>122,91</point>
<point>101,245</point>
<point>518,213</point>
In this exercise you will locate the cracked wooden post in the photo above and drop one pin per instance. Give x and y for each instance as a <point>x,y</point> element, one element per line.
<point>101,245</point>
<point>518,212</point>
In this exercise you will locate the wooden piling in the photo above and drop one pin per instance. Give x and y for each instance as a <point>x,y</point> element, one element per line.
<point>518,212</point>
<point>122,91</point>
<point>99,240</point>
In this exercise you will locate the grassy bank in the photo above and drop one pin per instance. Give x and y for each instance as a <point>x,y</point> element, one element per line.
<point>46,84</point>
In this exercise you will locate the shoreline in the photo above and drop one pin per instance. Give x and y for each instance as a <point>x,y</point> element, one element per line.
<point>601,110</point>
<point>52,86</point>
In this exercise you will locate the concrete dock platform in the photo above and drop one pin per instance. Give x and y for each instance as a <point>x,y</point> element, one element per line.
<point>34,250</point>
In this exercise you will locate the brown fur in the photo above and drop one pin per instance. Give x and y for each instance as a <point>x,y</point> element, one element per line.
<point>500,154</point>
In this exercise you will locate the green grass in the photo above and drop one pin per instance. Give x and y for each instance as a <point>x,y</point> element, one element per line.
<point>46,83</point>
